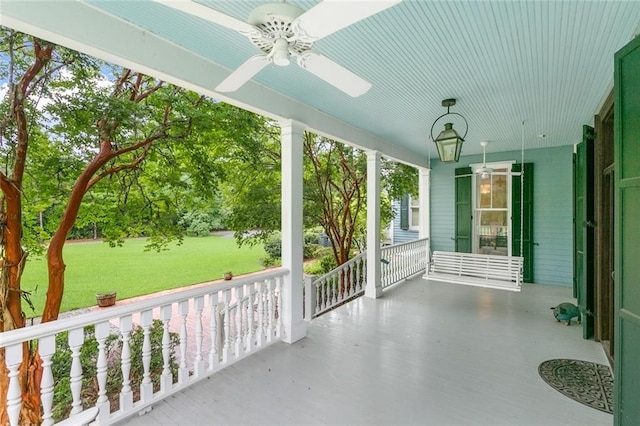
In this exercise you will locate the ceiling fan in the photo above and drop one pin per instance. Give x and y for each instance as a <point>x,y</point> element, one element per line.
<point>282,30</point>
<point>484,171</point>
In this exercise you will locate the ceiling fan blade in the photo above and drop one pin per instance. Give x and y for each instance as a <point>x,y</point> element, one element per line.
<point>330,16</point>
<point>334,74</point>
<point>243,73</point>
<point>211,15</point>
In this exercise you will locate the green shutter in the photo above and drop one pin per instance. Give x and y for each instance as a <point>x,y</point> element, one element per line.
<point>404,212</point>
<point>583,223</point>
<point>464,215</point>
<point>627,235</point>
<point>527,216</point>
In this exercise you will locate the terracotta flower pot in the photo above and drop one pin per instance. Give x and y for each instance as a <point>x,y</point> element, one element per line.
<point>106,299</point>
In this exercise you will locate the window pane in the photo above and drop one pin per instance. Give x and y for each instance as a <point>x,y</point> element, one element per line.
<point>415,202</point>
<point>415,217</point>
<point>492,232</point>
<point>484,192</point>
<point>499,192</point>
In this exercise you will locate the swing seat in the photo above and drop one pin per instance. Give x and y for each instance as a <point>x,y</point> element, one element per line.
<point>483,270</point>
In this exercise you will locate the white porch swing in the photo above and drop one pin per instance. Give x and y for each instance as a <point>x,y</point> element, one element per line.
<point>483,270</point>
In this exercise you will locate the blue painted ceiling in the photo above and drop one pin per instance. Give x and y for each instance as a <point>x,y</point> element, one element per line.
<point>519,69</point>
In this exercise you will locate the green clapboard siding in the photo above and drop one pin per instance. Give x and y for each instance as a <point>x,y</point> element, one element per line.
<point>552,209</point>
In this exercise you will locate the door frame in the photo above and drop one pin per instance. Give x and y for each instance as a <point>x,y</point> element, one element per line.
<point>604,219</point>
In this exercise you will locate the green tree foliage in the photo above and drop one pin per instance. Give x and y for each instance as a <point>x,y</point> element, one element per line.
<point>88,147</point>
<point>334,191</point>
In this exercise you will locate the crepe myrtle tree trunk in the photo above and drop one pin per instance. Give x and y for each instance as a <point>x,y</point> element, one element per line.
<point>12,256</point>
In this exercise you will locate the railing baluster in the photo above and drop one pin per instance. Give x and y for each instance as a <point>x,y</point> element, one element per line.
<point>249,290</point>
<point>270,310</point>
<point>102,332</point>
<point>46,349</point>
<point>318,305</point>
<point>214,331</point>
<point>260,330</point>
<point>183,370</point>
<point>146,387</point>
<point>76,338</point>
<point>126,395</point>
<point>166,380</point>
<point>198,364</point>
<point>239,308</point>
<point>334,290</point>
<point>13,359</point>
<point>279,306</point>
<point>226,349</point>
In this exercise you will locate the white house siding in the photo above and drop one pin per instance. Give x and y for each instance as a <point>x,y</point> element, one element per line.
<point>553,209</point>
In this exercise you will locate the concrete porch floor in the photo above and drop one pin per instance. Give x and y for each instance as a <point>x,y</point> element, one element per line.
<point>425,353</point>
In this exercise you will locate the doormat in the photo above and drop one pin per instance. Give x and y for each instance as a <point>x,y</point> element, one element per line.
<point>586,382</point>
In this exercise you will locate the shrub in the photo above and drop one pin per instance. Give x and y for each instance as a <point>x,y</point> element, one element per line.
<point>269,261</point>
<point>200,223</point>
<point>324,262</point>
<point>273,245</point>
<point>311,237</point>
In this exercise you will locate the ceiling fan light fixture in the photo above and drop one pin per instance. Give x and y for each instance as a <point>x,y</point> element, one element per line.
<point>484,171</point>
<point>281,55</point>
<point>449,142</point>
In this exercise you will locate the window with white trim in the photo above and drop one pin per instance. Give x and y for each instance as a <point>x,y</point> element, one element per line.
<point>414,213</point>
<point>492,210</point>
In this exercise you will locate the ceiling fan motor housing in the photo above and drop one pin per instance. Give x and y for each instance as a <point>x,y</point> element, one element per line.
<point>274,20</point>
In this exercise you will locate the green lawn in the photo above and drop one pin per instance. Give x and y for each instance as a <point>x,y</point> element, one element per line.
<point>94,267</point>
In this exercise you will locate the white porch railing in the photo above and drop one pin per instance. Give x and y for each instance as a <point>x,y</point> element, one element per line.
<point>216,325</point>
<point>402,261</point>
<point>348,281</point>
<point>336,287</point>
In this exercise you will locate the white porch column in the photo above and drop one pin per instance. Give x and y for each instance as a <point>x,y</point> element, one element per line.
<point>424,192</point>
<point>292,134</point>
<point>424,187</point>
<point>374,283</point>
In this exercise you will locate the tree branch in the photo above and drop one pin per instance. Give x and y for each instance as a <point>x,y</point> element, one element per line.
<point>112,170</point>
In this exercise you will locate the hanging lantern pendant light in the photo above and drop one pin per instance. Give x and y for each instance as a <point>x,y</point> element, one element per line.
<point>449,142</point>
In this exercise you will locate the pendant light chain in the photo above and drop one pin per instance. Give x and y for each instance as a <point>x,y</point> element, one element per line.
<point>522,192</point>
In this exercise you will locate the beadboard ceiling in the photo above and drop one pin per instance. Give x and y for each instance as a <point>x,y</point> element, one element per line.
<point>519,69</point>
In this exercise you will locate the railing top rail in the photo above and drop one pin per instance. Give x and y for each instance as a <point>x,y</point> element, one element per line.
<point>40,330</point>
<point>344,265</point>
<point>405,244</point>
